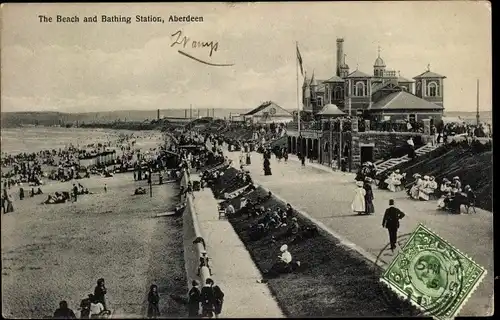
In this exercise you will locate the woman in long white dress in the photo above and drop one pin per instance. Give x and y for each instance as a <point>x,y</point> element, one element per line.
<point>394,181</point>
<point>358,203</point>
<point>445,193</point>
<point>416,186</point>
<point>424,191</point>
<point>390,181</point>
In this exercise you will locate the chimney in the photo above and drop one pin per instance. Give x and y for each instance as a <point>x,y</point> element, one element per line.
<point>158,114</point>
<point>340,55</point>
<point>185,113</point>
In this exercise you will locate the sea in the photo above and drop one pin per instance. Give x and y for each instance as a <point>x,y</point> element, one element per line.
<point>33,139</point>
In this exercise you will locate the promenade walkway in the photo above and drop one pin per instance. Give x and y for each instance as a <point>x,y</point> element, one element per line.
<point>326,195</point>
<point>233,268</point>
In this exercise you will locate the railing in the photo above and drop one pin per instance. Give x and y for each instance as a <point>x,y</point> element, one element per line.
<point>385,126</point>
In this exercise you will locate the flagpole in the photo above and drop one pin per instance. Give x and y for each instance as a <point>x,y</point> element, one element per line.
<point>477,103</point>
<point>297,76</point>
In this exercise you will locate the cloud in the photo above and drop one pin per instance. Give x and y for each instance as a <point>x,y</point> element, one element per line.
<point>116,66</point>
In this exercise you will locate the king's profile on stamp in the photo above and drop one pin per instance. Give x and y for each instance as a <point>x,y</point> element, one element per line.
<point>432,274</point>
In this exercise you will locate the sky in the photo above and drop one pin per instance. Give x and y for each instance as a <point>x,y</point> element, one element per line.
<point>86,66</point>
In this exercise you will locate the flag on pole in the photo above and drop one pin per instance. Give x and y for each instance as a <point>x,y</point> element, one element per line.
<point>299,58</point>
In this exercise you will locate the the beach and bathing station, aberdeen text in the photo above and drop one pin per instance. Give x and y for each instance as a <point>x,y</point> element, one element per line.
<point>102,18</point>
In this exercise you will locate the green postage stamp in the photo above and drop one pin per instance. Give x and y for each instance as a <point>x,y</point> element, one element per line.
<point>436,277</point>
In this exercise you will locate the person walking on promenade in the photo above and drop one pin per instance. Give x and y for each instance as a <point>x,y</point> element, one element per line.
<point>358,203</point>
<point>285,154</point>
<point>267,167</point>
<point>411,148</point>
<point>302,159</point>
<point>433,135</point>
<point>194,299</point>
<point>219,299</point>
<point>100,292</point>
<point>207,298</point>
<point>369,207</point>
<point>153,300</point>
<point>391,222</point>
<point>212,299</point>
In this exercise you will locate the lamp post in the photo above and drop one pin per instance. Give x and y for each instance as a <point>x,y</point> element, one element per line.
<point>340,149</point>
<point>330,158</point>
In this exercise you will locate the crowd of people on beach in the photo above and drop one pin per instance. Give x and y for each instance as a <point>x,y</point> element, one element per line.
<point>36,169</point>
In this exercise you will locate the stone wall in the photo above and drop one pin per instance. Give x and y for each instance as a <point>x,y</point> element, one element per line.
<point>384,143</point>
<point>191,231</point>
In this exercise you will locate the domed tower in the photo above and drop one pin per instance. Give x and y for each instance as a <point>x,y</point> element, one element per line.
<point>379,66</point>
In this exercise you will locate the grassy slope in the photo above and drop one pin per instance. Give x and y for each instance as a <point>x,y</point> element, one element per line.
<point>473,168</point>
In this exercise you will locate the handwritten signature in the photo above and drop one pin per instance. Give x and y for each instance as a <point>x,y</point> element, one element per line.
<point>184,41</point>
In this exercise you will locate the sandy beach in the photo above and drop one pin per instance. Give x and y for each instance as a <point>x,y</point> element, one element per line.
<point>57,252</point>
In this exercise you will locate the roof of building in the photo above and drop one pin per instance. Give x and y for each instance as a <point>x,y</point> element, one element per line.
<point>403,79</point>
<point>428,74</point>
<point>334,79</point>
<point>358,74</point>
<point>377,86</point>
<point>263,106</point>
<point>381,85</point>
<point>331,110</point>
<point>403,100</point>
<point>379,62</point>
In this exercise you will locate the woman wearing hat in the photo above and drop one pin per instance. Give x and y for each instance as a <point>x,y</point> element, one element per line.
<point>414,191</point>
<point>446,194</point>
<point>369,207</point>
<point>194,299</point>
<point>433,184</point>
<point>456,185</point>
<point>358,203</point>
<point>425,191</point>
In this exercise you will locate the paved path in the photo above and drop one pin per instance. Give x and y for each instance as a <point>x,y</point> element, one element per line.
<point>232,266</point>
<point>326,196</point>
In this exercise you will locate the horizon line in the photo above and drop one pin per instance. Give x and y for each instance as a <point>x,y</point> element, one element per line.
<point>205,108</point>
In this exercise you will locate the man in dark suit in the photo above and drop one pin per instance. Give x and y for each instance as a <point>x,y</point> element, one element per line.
<point>391,222</point>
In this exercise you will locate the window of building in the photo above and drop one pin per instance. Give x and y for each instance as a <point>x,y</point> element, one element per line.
<point>432,89</point>
<point>320,101</point>
<point>338,93</point>
<point>359,90</point>
<point>412,117</point>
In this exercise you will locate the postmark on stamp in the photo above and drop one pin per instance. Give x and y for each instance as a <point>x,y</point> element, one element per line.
<point>433,275</point>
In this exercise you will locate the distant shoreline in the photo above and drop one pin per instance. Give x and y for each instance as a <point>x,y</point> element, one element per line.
<point>147,119</point>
